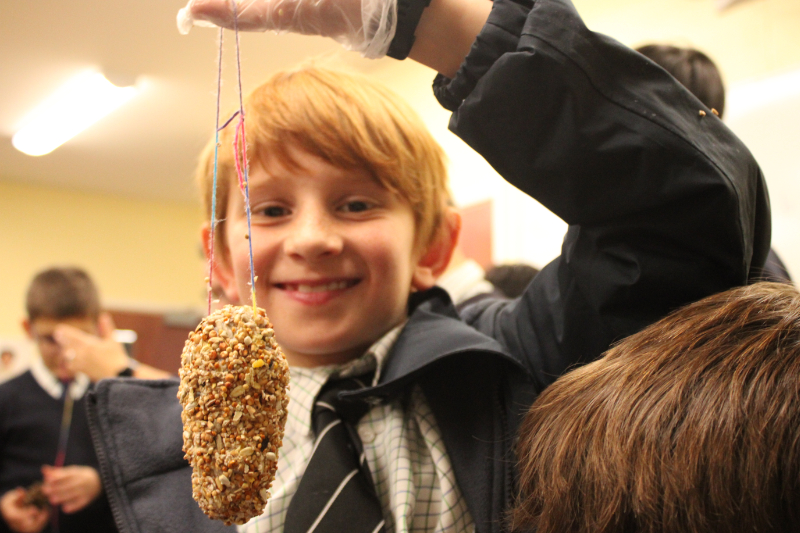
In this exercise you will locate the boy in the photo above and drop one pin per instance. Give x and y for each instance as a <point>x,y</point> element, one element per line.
<point>31,408</point>
<point>350,232</point>
<point>687,426</point>
<point>64,320</point>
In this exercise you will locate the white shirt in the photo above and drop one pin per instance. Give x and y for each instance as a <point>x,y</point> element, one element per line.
<point>465,281</point>
<point>53,386</point>
<point>413,476</point>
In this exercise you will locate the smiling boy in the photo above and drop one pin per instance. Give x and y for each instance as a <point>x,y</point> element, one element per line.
<point>337,244</point>
<point>337,163</point>
<point>350,231</point>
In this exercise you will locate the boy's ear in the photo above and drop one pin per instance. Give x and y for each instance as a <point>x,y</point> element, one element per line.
<point>223,273</point>
<point>26,325</point>
<point>436,256</point>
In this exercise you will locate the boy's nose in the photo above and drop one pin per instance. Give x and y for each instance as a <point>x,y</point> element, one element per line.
<point>312,238</point>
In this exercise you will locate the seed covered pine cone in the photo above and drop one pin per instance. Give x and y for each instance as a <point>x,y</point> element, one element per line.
<point>234,381</point>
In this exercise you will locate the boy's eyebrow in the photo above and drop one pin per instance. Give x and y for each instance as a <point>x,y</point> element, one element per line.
<point>262,185</point>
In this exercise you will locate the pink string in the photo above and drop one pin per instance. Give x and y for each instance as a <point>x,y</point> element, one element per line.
<point>240,160</point>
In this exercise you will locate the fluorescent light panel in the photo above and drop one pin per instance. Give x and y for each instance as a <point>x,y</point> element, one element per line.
<point>74,107</point>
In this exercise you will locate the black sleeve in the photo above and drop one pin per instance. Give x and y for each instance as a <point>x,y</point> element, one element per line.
<point>137,433</point>
<point>664,204</point>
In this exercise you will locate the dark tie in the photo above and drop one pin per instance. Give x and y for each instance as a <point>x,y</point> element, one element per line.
<point>336,493</point>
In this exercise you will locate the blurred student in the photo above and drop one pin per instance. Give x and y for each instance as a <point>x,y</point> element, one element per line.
<point>690,426</point>
<point>76,347</point>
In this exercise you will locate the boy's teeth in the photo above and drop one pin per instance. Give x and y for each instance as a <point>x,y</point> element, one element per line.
<point>335,285</point>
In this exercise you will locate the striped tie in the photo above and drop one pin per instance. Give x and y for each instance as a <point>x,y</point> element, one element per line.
<point>336,493</point>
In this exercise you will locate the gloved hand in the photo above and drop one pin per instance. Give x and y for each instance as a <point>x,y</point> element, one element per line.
<point>366,26</point>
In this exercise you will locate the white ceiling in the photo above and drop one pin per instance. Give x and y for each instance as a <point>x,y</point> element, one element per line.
<point>148,148</point>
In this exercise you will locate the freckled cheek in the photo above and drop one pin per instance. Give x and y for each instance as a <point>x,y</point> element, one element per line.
<point>265,255</point>
<point>392,266</point>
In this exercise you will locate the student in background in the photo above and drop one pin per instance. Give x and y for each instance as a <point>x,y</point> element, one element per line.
<point>76,347</point>
<point>690,426</point>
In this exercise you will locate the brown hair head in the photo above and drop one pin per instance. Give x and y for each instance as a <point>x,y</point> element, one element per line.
<point>693,69</point>
<point>691,425</point>
<point>62,292</point>
<point>346,120</point>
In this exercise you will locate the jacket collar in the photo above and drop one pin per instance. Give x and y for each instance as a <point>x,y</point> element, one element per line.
<point>432,334</point>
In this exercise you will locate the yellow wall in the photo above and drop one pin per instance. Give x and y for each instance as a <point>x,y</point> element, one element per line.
<point>142,254</point>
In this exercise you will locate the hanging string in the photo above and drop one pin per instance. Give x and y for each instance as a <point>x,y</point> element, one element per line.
<point>241,170</point>
<point>214,182</point>
<point>240,159</point>
<point>63,439</point>
<point>240,154</point>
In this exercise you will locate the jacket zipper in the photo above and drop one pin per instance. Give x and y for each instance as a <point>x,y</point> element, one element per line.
<point>105,467</point>
<point>506,459</point>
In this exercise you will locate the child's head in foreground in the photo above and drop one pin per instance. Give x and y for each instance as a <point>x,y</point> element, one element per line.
<point>62,295</point>
<point>690,426</point>
<point>347,190</point>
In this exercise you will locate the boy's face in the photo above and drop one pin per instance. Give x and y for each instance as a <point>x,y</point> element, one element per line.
<point>334,254</point>
<point>41,331</point>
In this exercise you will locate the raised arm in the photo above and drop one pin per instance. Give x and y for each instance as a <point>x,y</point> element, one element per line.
<point>444,34</point>
<point>664,204</point>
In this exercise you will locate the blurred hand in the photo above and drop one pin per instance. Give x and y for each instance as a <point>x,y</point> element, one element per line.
<point>20,517</point>
<point>71,487</point>
<point>365,26</point>
<point>96,356</point>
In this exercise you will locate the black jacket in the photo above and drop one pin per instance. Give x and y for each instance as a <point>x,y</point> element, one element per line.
<point>30,425</point>
<point>664,205</point>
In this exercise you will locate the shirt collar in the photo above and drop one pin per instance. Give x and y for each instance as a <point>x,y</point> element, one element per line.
<point>307,382</point>
<point>372,359</point>
<point>465,281</point>
<point>53,386</point>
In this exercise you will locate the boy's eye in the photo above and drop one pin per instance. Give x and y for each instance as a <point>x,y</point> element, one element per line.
<point>274,211</point>
<point>356,206</point>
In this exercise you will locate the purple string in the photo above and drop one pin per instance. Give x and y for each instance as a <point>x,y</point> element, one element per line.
<point>63,440</point>
<point>244,157</point>
<point>235,114</point>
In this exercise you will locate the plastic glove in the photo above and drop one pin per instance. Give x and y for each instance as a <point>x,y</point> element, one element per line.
<point>366,26</point>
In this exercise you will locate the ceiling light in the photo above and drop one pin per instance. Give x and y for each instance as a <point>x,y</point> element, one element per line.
<point>74,107</point>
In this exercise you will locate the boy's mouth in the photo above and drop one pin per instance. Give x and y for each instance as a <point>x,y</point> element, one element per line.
<point>317,286</point>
